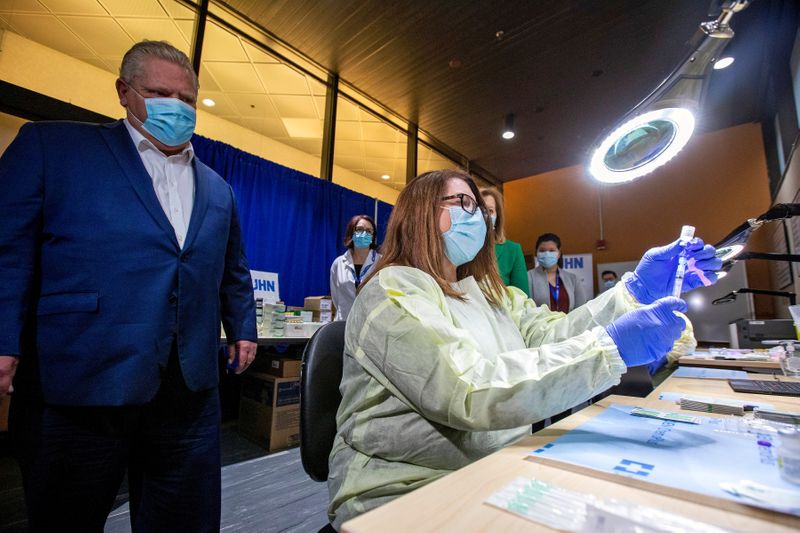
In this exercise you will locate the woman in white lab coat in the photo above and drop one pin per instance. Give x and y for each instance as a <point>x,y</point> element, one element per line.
<point>351,267</point>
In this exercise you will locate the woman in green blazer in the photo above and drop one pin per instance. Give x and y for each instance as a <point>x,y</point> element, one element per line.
<point>510,260</point>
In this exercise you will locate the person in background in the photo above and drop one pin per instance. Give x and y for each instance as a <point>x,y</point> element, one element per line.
<point>550,285</point>
<point>351,267</point>
<point>609,280</point>
<point>443,364</point>
<point>120,253</point>
<point>510,261</point>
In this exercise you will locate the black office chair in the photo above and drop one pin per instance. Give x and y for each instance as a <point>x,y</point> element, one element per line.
<point>320,375</point>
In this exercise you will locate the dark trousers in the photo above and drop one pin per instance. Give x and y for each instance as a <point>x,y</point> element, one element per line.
<point>73,460</point>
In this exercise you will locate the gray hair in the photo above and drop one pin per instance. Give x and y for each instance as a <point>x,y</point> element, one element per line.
<point>132,61</point>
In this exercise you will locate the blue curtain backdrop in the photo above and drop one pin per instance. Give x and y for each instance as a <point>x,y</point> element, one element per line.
<point>293,223</point>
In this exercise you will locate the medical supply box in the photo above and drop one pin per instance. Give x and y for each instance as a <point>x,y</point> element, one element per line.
<point>269,410</point>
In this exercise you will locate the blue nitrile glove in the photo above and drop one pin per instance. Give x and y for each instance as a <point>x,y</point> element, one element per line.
<point>654,367</point>
<point>646,334</point>
<point>655,273</point>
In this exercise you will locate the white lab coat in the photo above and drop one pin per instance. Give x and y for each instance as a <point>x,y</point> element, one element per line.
<point>344,280</point>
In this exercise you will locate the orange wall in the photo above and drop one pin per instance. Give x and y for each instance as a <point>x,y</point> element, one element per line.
<point>717,182</point>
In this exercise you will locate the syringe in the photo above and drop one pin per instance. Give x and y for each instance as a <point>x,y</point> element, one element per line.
<point>687,234</point>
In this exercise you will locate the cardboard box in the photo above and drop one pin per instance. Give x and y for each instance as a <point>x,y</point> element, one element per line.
<point>269,410</point>
<point>284,367</point>
<point>322,316</point>
<point>317,303</point>
<point>5,403</point>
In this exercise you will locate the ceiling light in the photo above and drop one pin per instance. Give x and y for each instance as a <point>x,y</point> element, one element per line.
<point>385,177</point>
<point>723,62</point>
<point>508,127</point>
<point>208,102</point>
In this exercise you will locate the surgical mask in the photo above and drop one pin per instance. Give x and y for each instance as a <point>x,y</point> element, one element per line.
<point>169,120</point>
<point>547,259</point>
<point>466,235</point>
<point>494,221</point>
<point>609,283</point>
<point>362,239</point>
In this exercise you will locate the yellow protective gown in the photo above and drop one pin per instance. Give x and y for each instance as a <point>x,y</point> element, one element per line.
<point>431,384</point>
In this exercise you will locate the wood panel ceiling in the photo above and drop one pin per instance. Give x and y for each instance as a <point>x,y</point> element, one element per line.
<point>567,69</point>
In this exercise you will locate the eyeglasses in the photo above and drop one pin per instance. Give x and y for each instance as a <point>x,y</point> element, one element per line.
<point>364,230</point>
<point>468,203</point>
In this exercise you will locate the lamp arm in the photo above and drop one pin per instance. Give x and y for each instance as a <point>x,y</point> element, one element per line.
<point>790,295</point>
<point>780,211</point>
<point>792,258</point>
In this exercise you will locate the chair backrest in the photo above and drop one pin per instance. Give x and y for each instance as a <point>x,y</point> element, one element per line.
<point>320,375</point>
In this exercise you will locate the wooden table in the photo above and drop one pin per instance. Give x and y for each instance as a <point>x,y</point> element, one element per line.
<point>272,341</point>
<point>455,502</point>
<point>737,364</point>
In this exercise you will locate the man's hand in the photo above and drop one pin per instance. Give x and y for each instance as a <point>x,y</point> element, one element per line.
<point>240,355</point>
<point>8,367</point>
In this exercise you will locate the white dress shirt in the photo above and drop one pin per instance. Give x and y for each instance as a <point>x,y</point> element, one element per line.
<point>173,180</point>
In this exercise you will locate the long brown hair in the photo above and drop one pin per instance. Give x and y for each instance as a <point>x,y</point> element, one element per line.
<point>499,225</point>
<point>413,237</point>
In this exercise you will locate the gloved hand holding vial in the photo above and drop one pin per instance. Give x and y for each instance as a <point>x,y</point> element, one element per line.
<point>655,275</point>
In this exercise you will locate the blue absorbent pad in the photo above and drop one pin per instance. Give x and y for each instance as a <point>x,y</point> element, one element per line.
<point>708,373</point>
<point>694,458</point>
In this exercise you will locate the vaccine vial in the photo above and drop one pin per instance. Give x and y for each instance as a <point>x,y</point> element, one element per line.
<point>789,455</point>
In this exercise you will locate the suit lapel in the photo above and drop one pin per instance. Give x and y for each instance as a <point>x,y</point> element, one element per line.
<point>122,147</point>
<point>200,205</point>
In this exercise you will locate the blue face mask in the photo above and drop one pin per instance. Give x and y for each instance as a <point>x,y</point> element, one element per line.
<point>169,120</point>
<point>465,237</point>
<point>547,259</point>
<point>362,239</point>
<point>494,221</point>
<point>609,283</point>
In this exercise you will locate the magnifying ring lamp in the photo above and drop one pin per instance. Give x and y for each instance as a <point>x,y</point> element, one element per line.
<point>657,128</point>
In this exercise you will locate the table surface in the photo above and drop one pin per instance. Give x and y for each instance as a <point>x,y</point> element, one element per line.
<point>710,362</point>
<point>271,341</point>
<point>455,502</point>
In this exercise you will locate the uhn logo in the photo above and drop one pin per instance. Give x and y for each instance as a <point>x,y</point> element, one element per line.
<point>573,262</point>
<point>263,285</point>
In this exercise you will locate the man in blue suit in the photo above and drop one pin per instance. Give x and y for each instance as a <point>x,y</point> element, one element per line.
<point>120,253</point>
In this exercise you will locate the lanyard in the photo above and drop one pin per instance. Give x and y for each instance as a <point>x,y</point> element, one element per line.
<point>555,290</point>
<point>364,269</point>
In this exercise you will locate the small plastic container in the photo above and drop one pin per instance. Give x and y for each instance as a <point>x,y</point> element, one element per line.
<point>789,455</point>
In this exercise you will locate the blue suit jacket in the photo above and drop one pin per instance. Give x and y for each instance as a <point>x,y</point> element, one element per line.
<point>94,287</point>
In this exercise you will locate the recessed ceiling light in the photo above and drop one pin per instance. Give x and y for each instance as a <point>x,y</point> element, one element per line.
<point>508,127</point>
<point>385,177</point>
<point>723,62</point>
<point>208,102</point>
